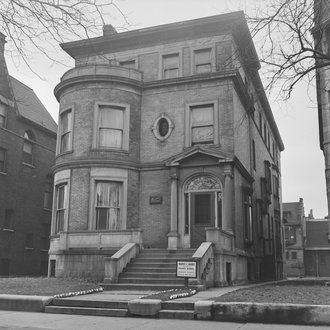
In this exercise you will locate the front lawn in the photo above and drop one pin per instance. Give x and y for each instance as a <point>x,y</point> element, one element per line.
<point>43,286</point>
<point>286,293</point>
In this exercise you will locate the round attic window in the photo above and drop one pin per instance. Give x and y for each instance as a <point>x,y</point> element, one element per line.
<point>162,127</point>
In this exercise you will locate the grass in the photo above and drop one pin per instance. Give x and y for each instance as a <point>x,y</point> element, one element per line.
<point>42,286</point>
<point>286,293</point>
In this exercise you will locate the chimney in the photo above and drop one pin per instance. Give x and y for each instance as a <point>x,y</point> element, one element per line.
<point>5,86</point>
<point>2,43</point>
<point>310,215</point>
<point>109,30</point>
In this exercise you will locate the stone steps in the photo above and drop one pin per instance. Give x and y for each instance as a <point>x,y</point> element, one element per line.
<point>141,286</point>
<point>152,269</point>
<point>138,274</point>
<point>169,309</point>
<point>148,280</point>
<point>86,311</point>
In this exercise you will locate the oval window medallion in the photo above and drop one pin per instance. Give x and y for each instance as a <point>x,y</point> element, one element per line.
<point>162,127</point>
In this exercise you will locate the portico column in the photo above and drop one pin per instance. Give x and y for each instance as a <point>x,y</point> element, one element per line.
<point>173,234</point>
<point>227,221</point>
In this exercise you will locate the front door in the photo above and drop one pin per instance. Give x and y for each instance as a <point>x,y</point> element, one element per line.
<point>202,208</point>
<point>202,215</point>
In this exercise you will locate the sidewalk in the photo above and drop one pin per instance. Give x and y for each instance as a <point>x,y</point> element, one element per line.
<point>201,306</point>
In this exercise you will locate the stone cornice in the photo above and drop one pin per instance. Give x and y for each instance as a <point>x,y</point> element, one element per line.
<point>97,78</point>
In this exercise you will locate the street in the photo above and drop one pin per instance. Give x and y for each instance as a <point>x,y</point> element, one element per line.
<point>25,320</point>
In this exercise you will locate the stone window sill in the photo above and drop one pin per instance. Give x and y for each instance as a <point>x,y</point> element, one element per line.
<point>8,230</point>
<point>28,165</point>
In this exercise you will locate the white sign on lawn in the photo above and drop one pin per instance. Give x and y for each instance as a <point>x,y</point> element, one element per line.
<point>186,268</point>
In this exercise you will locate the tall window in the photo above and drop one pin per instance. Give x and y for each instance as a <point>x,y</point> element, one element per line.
<point>29,241</point>
<point>60,211</point>
<point>171,66</point>
<point>48,196</point>
<point>111,127</point>
<point>28,148</point>
<point>8,223</point>
<point>45,236</point>
<point>254,154</point>
<point>203,60</point>
<point>247,200</point>
<point>108,205</point>
<point>2,160</point>
<point>65,134</point>
<point>2,115</point>
<point>202,124</point>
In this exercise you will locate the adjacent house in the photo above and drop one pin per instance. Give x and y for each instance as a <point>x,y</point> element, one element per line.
<point>27,152</point>
<point>166,139</point>
<point>295,233</point>
<point>317,249</point>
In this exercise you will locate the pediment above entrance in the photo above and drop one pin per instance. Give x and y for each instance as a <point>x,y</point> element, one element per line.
<point>199,155</point>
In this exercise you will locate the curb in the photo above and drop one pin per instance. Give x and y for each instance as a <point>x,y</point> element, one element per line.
<point>24,303</point>
<point>263,313</point>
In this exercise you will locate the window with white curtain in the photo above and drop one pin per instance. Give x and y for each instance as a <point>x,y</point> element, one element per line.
<point>111,127</point>
<point>108,205</point>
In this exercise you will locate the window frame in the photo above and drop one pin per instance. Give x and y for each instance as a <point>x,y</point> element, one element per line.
<point>107,175</point>
<point>59,150</point>
<point>28,140</point>
<point>126,123</point>
<point>195,50</point>
<point>4,115</point>
<point>4,169</point>
<point>247,215</point>
<point>55,226</point>
<point>8,219</point>
<point>188,122</point>
<point>49,192</point>
<point>108,207</point>
<point>29,241</point>
<point>163,69</point>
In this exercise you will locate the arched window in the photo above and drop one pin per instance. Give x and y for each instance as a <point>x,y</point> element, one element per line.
<point>28,147</point>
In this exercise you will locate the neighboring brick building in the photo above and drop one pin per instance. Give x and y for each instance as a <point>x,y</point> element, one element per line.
<point>317,248</point>
<point>27,152</point>
<point>166,138</point>
<point>295,232</point>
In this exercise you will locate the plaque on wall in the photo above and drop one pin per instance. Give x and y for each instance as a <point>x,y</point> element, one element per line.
<point>156,199</point>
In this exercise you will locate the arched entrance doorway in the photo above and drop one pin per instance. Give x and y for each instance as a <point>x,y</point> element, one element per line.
<point>202,207</point>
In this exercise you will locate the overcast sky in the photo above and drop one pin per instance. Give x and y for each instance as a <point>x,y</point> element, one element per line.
<point>302,161</point>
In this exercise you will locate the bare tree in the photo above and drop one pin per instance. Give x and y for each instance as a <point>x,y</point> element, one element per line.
<point>40,25</point>
<point>290,36</point>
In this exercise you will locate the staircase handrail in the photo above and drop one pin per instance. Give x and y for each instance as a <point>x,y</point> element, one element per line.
<point>115,264</point>
<point>204,256</point>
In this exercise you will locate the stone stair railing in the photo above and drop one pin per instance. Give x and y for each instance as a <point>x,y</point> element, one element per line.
<point>115,264</point>
<point>204,256</point>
